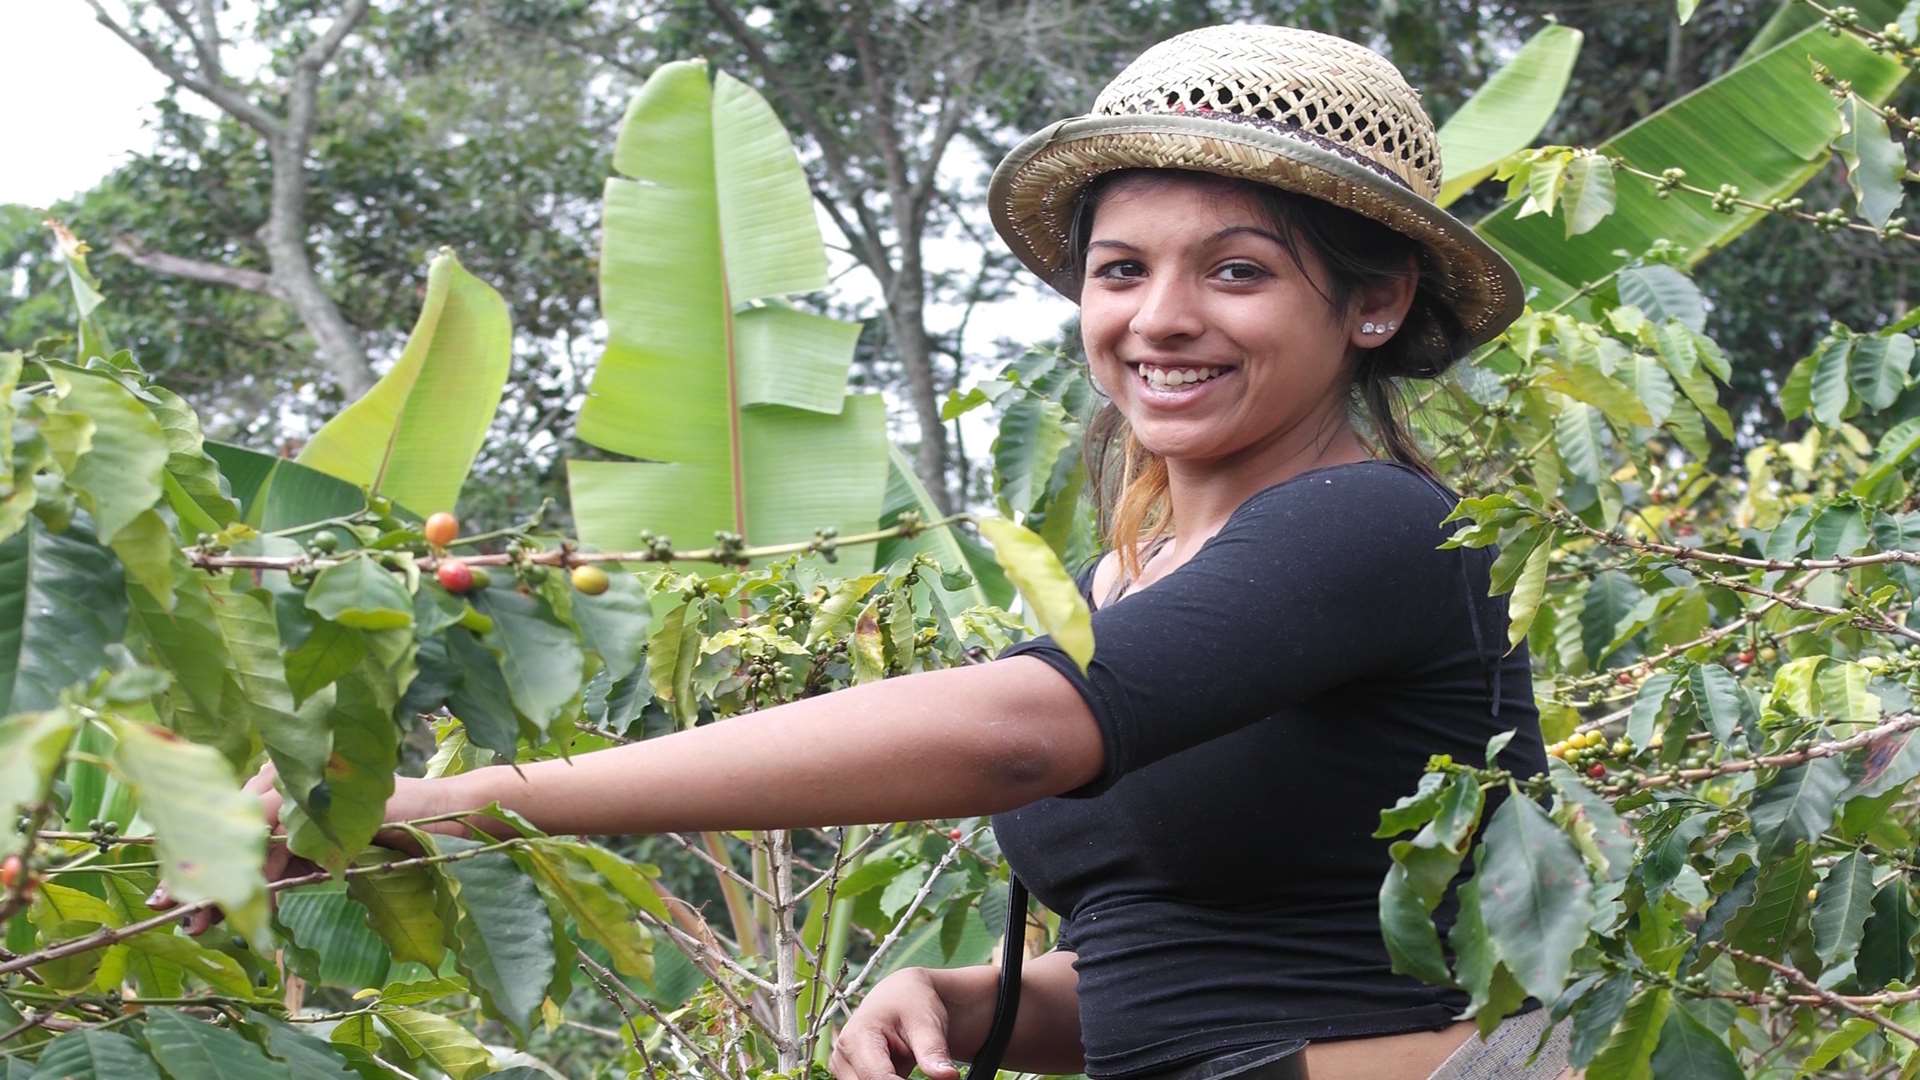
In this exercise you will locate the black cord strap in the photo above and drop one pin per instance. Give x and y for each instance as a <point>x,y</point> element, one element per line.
<point>1006,1002</point>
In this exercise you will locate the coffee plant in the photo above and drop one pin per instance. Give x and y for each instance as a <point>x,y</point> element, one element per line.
<point>1714,877</point>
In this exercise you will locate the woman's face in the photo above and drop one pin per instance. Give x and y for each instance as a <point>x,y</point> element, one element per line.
<point>1201,327</point>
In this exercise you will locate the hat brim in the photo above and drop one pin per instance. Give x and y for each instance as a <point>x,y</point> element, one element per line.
<point>1033,193</point>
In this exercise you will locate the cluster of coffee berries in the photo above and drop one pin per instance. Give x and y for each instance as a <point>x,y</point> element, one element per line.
<point>729,548</point>
<point>765,674</point>
<point>658,548</point>
<point>103,832</point>
<point>826,543</point>
<point>1585,751</point>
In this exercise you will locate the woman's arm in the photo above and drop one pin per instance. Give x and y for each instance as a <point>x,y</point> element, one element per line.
<point>952,743</point>
<point>1046,1034</point>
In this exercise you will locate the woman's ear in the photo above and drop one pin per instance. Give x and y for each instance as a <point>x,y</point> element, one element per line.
<point>1382,308</point>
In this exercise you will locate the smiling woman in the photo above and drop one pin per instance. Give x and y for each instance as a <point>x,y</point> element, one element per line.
<point>1245,220</point>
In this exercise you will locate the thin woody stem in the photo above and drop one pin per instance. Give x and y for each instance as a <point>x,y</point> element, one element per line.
<point>815,998</point>
<point>92,838</point>
<point>1647,663</point>
<point>1687,558</point>
<point>566,555</point>
<point>852,986</point>
<point>35,1019</point>
<point>710,961</point>
<point>786,993</point>
<point>1680,553</point>
<point>1625,166</point>
<point>1827,996</point>
<point>1902,722</point>
<point>1852,26</point>
<point>109,936</point>
<point>719,867</point>
<point>594,968</point>
<point>613,999</point>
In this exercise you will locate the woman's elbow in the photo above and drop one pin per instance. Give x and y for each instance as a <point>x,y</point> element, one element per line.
<point>1033,734</point>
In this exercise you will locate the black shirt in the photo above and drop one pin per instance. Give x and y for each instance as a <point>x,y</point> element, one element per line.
<point>1260,706</point>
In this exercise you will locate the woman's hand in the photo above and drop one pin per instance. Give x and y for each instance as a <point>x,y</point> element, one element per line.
<point>411,800</point>
<point>902,1023</point>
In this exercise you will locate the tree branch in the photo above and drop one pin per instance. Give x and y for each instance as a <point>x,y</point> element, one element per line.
<point>1694,554</point>
<point>202,48</point>
<point>225,97</point>
<point>209,31</point>
<point>160,262</point>
<point>719,867</point>
<point>305,85</point>
<point>321,51</point>
<point>952,112</point>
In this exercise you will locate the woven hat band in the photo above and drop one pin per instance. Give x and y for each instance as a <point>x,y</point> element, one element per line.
<point>1322,85</point>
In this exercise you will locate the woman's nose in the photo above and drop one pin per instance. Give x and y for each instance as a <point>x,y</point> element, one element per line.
<point>1166,311</point>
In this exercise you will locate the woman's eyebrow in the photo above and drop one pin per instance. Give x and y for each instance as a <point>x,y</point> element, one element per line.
<point>1223,234</point>
<point>1234,230</point>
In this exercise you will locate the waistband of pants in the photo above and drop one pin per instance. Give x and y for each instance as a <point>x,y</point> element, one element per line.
<point>1274,1061</point>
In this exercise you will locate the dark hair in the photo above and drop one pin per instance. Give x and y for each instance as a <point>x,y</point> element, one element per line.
<point>1130,483</point>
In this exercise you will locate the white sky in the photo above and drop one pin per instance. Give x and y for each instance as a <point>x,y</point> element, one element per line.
<point>74,100</point>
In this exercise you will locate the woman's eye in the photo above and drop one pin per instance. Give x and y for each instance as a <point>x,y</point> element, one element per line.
<point>1118,269</point>
<point>1242,272</point>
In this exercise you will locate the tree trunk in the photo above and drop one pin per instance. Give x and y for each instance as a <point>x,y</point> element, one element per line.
<point>293,275</point>
<point>906,318</point>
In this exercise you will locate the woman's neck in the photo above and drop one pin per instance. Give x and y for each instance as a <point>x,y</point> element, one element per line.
<point>1202,494</point>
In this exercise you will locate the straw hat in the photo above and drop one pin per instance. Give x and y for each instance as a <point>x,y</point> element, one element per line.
<point>1300,110</point>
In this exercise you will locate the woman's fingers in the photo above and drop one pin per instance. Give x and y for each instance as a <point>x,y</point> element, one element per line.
<point>262,780</point>
<point>863,1054</point>
<point>927,1038</point>
<point>200,921</point>
<point>868,1054</point>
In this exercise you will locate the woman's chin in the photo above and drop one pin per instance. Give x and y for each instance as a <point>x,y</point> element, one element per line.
<point>1180,442</point>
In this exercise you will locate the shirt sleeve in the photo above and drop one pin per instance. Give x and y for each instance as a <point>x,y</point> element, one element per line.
<point>1331,577</point>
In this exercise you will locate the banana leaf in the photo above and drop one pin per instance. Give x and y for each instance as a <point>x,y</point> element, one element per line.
<point>1507,112</point>
<point>278,493</point>
<point>414,435</point>
<point>1765,127</point>
<point>736,401</point>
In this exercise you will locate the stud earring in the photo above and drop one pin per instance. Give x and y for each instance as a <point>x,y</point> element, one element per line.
<point>1377,328</point>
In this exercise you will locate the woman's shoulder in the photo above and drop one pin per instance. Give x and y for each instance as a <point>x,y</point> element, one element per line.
<point>1354,496</point>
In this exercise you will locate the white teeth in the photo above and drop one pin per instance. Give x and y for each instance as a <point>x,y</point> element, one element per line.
<point>1163,378</point>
